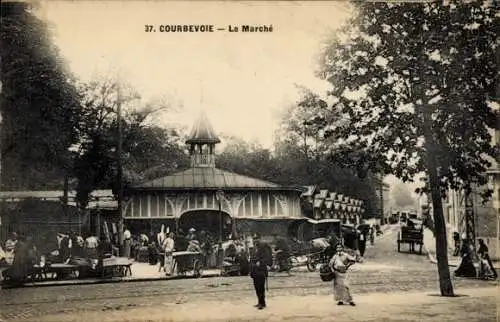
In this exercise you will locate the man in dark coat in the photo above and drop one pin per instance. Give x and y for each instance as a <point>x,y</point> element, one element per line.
<point>361,242</point>
<point>262,257</point>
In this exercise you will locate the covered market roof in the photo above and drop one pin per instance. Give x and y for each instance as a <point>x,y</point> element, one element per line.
<point>207,178</point>
<point>202,132</point>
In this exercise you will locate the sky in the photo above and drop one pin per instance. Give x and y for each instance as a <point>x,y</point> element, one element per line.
<point>241,80</point>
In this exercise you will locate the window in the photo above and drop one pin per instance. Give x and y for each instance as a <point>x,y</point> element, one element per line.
<point>255,205</point>
<point>211,203</point>
<point>265,204</point>
<point>144,206</point>
<point>154,206</point>
<point>136,206</point>
<point>243,206</point>
<point>272,205</point>
<point>162,208</point>
<point>199,201</point>
<point>191,202</point>
<point>185,203</point>
<point>128,211</point>
<point>170,208</point>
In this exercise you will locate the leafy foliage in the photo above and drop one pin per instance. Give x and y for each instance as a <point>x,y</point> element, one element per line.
<point>39,102</point>
<point>400,59</point>
<point>305,149</point>
<point>147,150</point>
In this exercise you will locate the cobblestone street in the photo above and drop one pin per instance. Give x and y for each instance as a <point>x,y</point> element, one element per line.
<point>383,271</point>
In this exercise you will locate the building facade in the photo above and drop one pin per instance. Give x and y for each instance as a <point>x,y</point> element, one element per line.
<point>486,221</point>
<point>192,198</point>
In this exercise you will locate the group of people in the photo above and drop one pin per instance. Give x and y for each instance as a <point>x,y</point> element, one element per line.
<point>261,259</point>
<point>161,246</point>
<point>19,254</point>
<point>465,249</point>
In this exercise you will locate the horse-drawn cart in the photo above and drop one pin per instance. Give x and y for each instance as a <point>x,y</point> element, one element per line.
<point>412,233</point>
<point>314,237</point>
<point>188,262</point>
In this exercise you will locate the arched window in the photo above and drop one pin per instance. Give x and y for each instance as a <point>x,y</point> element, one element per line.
<point>242,209</point>
<point>128,210</point>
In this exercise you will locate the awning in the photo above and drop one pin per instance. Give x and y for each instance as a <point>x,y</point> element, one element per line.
<point>318,203</point>
<point>323,193</point>
<point>310,191</point>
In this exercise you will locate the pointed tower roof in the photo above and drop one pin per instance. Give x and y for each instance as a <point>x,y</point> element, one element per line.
<point>202,132</point>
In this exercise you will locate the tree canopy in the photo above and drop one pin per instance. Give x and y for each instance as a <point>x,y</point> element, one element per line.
<point>148,150</point>
<point>39,102</point>
<point>396,60</point>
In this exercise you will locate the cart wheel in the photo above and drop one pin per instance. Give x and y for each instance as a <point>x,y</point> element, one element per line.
<point>197,270</point>
<point>311,265</point>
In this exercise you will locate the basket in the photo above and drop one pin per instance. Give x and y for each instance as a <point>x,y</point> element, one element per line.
<point>326,274</point>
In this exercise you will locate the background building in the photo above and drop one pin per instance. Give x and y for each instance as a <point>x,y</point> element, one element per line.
<point>486,215</point>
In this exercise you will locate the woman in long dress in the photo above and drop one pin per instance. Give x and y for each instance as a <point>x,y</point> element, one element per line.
<point>24,259</point>
<point>466,267</point>
<point>487,268</point>
<point>340,264</point>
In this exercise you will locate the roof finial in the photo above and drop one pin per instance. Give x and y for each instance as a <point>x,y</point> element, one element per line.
<point>202,132</point>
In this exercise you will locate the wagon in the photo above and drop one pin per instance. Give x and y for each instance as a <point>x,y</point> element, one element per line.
<point>412,234</point>
<point>188,262</point>
<point>314,236</point>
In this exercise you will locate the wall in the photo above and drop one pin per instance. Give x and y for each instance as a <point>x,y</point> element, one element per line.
<point>486,218</point>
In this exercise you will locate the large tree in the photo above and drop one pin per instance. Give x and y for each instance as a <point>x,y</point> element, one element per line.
<point>148,150</point>
<point>415,84</point>
<point>304,153</point>
<point>39,103</point>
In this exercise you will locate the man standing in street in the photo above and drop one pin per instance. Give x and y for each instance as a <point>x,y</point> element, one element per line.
<point>168,249</point>
<point>361,242</point>
<point>261,259</point>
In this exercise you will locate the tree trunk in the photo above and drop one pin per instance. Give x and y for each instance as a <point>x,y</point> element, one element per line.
<point>445,284</point>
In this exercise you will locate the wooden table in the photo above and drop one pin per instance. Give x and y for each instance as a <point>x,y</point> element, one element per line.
<point>61,269</point>
<point>119,265</point>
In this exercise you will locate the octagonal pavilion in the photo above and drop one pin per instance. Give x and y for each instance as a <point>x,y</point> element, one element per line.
<point>188,199</point>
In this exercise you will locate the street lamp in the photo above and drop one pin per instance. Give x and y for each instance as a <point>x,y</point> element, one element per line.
<point>219,195</point>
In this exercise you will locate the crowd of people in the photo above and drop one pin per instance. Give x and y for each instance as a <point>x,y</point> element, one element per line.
<point>158,248</point>
<point>20,254</point>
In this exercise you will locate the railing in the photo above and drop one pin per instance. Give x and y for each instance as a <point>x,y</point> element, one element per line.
<point>202,160</point>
